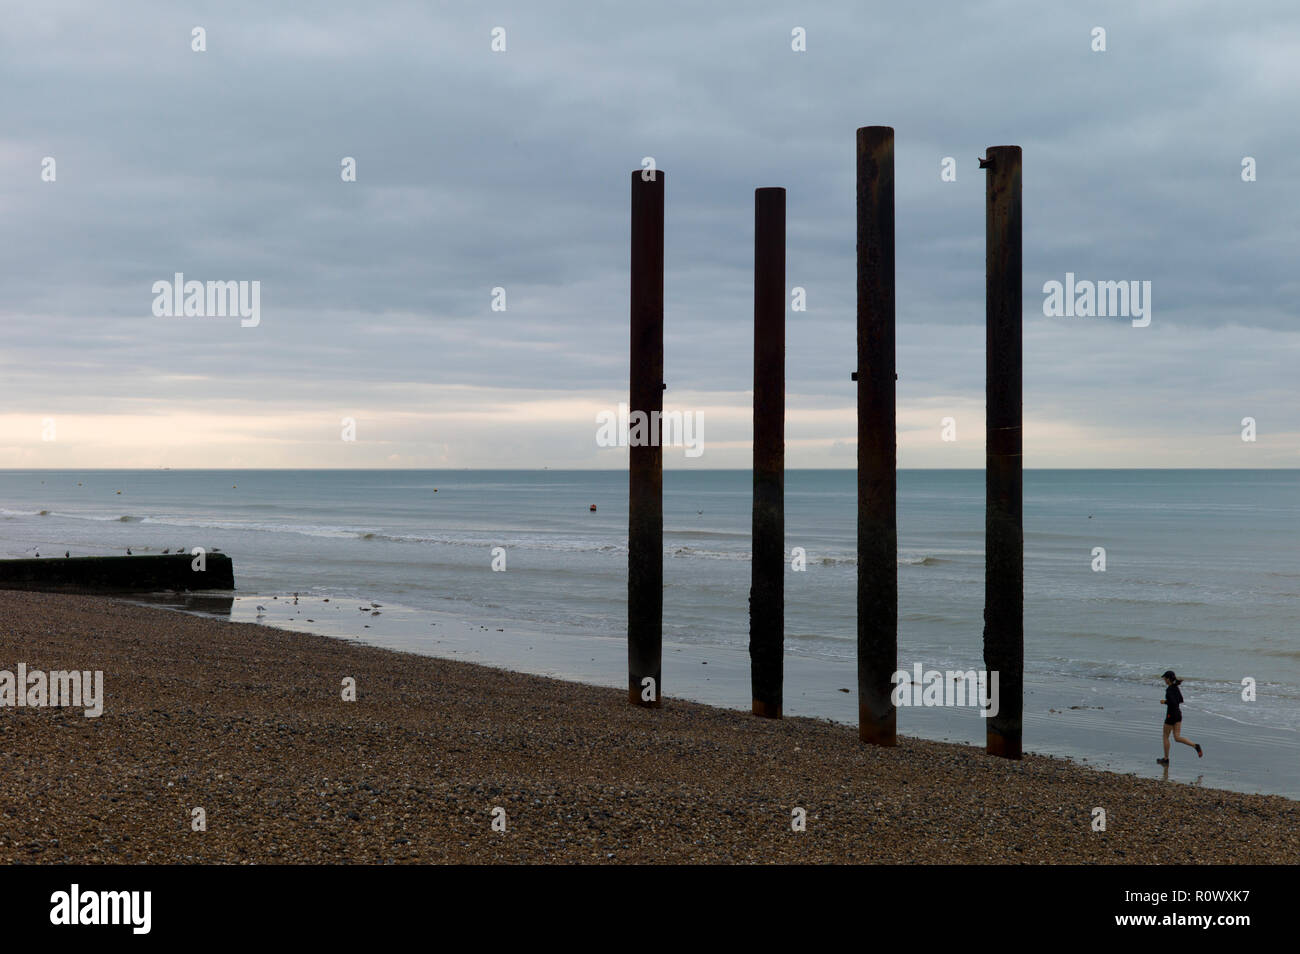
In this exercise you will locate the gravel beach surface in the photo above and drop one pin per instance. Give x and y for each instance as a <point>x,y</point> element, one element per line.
<point>248,724</point>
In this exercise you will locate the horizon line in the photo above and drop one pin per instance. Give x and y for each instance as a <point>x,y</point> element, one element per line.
<point>592,470</point>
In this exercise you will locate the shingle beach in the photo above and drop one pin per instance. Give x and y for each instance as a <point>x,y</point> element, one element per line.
<point>248,723</point>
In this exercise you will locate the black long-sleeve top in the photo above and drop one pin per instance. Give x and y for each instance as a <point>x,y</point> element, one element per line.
<point>1173,699</point>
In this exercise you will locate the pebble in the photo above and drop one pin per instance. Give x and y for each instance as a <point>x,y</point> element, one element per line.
<point>251,720</point>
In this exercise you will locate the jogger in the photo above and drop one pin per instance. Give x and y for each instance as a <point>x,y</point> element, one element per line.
<point>1174,715</point>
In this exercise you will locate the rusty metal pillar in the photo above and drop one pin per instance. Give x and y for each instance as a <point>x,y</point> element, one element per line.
<point>645,532</point>
<point>1004,572</point>
<point>767,568</point>
<point>877,440</point>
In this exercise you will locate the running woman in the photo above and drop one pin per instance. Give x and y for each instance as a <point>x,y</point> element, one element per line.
<point>1174,715</point>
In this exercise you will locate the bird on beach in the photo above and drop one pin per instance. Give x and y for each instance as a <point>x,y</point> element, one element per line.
<point>168,550</point>
<point>128,551</point>
<point>67,553</point>
<point>38,554</point>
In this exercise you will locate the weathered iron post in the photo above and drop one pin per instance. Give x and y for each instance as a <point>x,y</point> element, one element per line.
<point>1004,580</point>
<point>645,532</point>
<point>767,569</point>
<point>877,440</point>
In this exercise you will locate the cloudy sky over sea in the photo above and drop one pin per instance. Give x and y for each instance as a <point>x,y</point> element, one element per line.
<point>477,169</point>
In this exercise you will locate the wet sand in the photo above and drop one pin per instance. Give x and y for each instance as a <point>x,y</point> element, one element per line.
<point>247,722</point>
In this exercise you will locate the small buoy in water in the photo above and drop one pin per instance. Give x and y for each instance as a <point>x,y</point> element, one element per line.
<point>593,508</point>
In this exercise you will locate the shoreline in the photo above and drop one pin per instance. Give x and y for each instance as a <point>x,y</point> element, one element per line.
<point>1093,724</point>
<point>246,722</point>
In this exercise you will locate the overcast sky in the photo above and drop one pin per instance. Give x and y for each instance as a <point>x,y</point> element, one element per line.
<point>477,169</point>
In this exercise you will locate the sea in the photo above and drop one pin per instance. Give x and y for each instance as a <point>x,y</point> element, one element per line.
<point>1128,573</point>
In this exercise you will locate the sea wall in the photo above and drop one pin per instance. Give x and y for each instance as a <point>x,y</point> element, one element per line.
<point>133,574</point>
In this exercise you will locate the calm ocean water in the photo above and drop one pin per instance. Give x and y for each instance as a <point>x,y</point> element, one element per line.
<point>1202,567</point>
